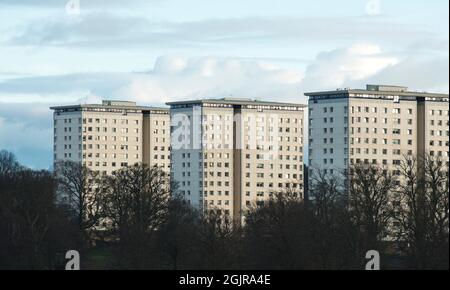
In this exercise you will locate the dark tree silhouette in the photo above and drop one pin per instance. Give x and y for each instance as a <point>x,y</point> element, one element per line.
<point>422,212</point>
<point>135,206</point>
<point>8,163</point>
<point>177,236</point>
<point>35,231</point>
<point>80,188</point>
<point>287,233</point>
<point>371,192</point>
<point>218,241</point>
<point>333,224</point>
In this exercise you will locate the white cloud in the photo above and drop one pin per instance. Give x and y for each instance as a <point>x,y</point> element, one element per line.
<point>338,67</point>
<point>430,74</point>
<point>175,78</point>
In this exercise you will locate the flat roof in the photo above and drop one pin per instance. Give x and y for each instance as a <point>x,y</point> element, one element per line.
<point>379,90</point>
<point>236,101</point>
<point>350,91</point>
<point>101,106</point>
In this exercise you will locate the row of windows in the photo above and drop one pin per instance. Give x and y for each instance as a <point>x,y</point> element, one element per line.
<point>438,112</point>
<point>259,129</point>
<point>97,121</point>
<point>113,164</point>
<point>439,153</point>
<point>384,131</point>
<point>385,110</point>
<point>100,147</point>
<point>157,123</point>
<point>359,109</point>
<point>354,161</point>
<point>279,175</point>
<point>161,157</point>
<point>102,164</point>
<point>105,147</point>
<point>358,140</point>
<point>439,133</point>
<point>212,193</point>
<point>105,130</point>
<point>100,138</point>
<point>247,165</point>
<point>261,185</point>
<point>272,185</point>
<point>211,174</point>
<point>219,117</point>
<point>161,148</point>
<point>439,143</point>
<point>398,111</point>
<point>219,202</point>
<point>248,119</point>
<point>359,151</point>
<point>374,120</point>
<point>354,151</point>
<point>113,155</point>
<point>272,156</point>
<point>160,131</point>
<point>327,110</point>
<point>105,121</point>
<point>207,174</point>
<point>114,138</point>
<point>105,164</point>
<point>438,123</point>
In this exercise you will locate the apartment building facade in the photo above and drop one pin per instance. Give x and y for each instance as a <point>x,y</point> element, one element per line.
<point>228,154</point>
<point>378,125</point>
<point>106,137</point>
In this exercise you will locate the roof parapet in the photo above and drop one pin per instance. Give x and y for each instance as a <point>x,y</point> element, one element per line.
<point>118,103</point>
<point>386,88</point>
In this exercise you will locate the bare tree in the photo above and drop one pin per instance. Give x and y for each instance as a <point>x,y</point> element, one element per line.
<point>287,233</point>
<point>8,163</point>
<point>437,198</point>
<point>336,238</point>
<point>34,230</point>
<point>136,205</point>
<point>422,211</point>
<point>218,241</point>
<point>371,191</point>
<point>327,192</point>
<point>273,234</point>
<point>177,237</point>
<point>81,189</point>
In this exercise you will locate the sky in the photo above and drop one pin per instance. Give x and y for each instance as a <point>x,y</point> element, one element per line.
<point>55,52</point>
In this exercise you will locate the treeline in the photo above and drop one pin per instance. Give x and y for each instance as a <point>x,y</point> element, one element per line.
<point>35,230</point>
<point>138,219</point>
